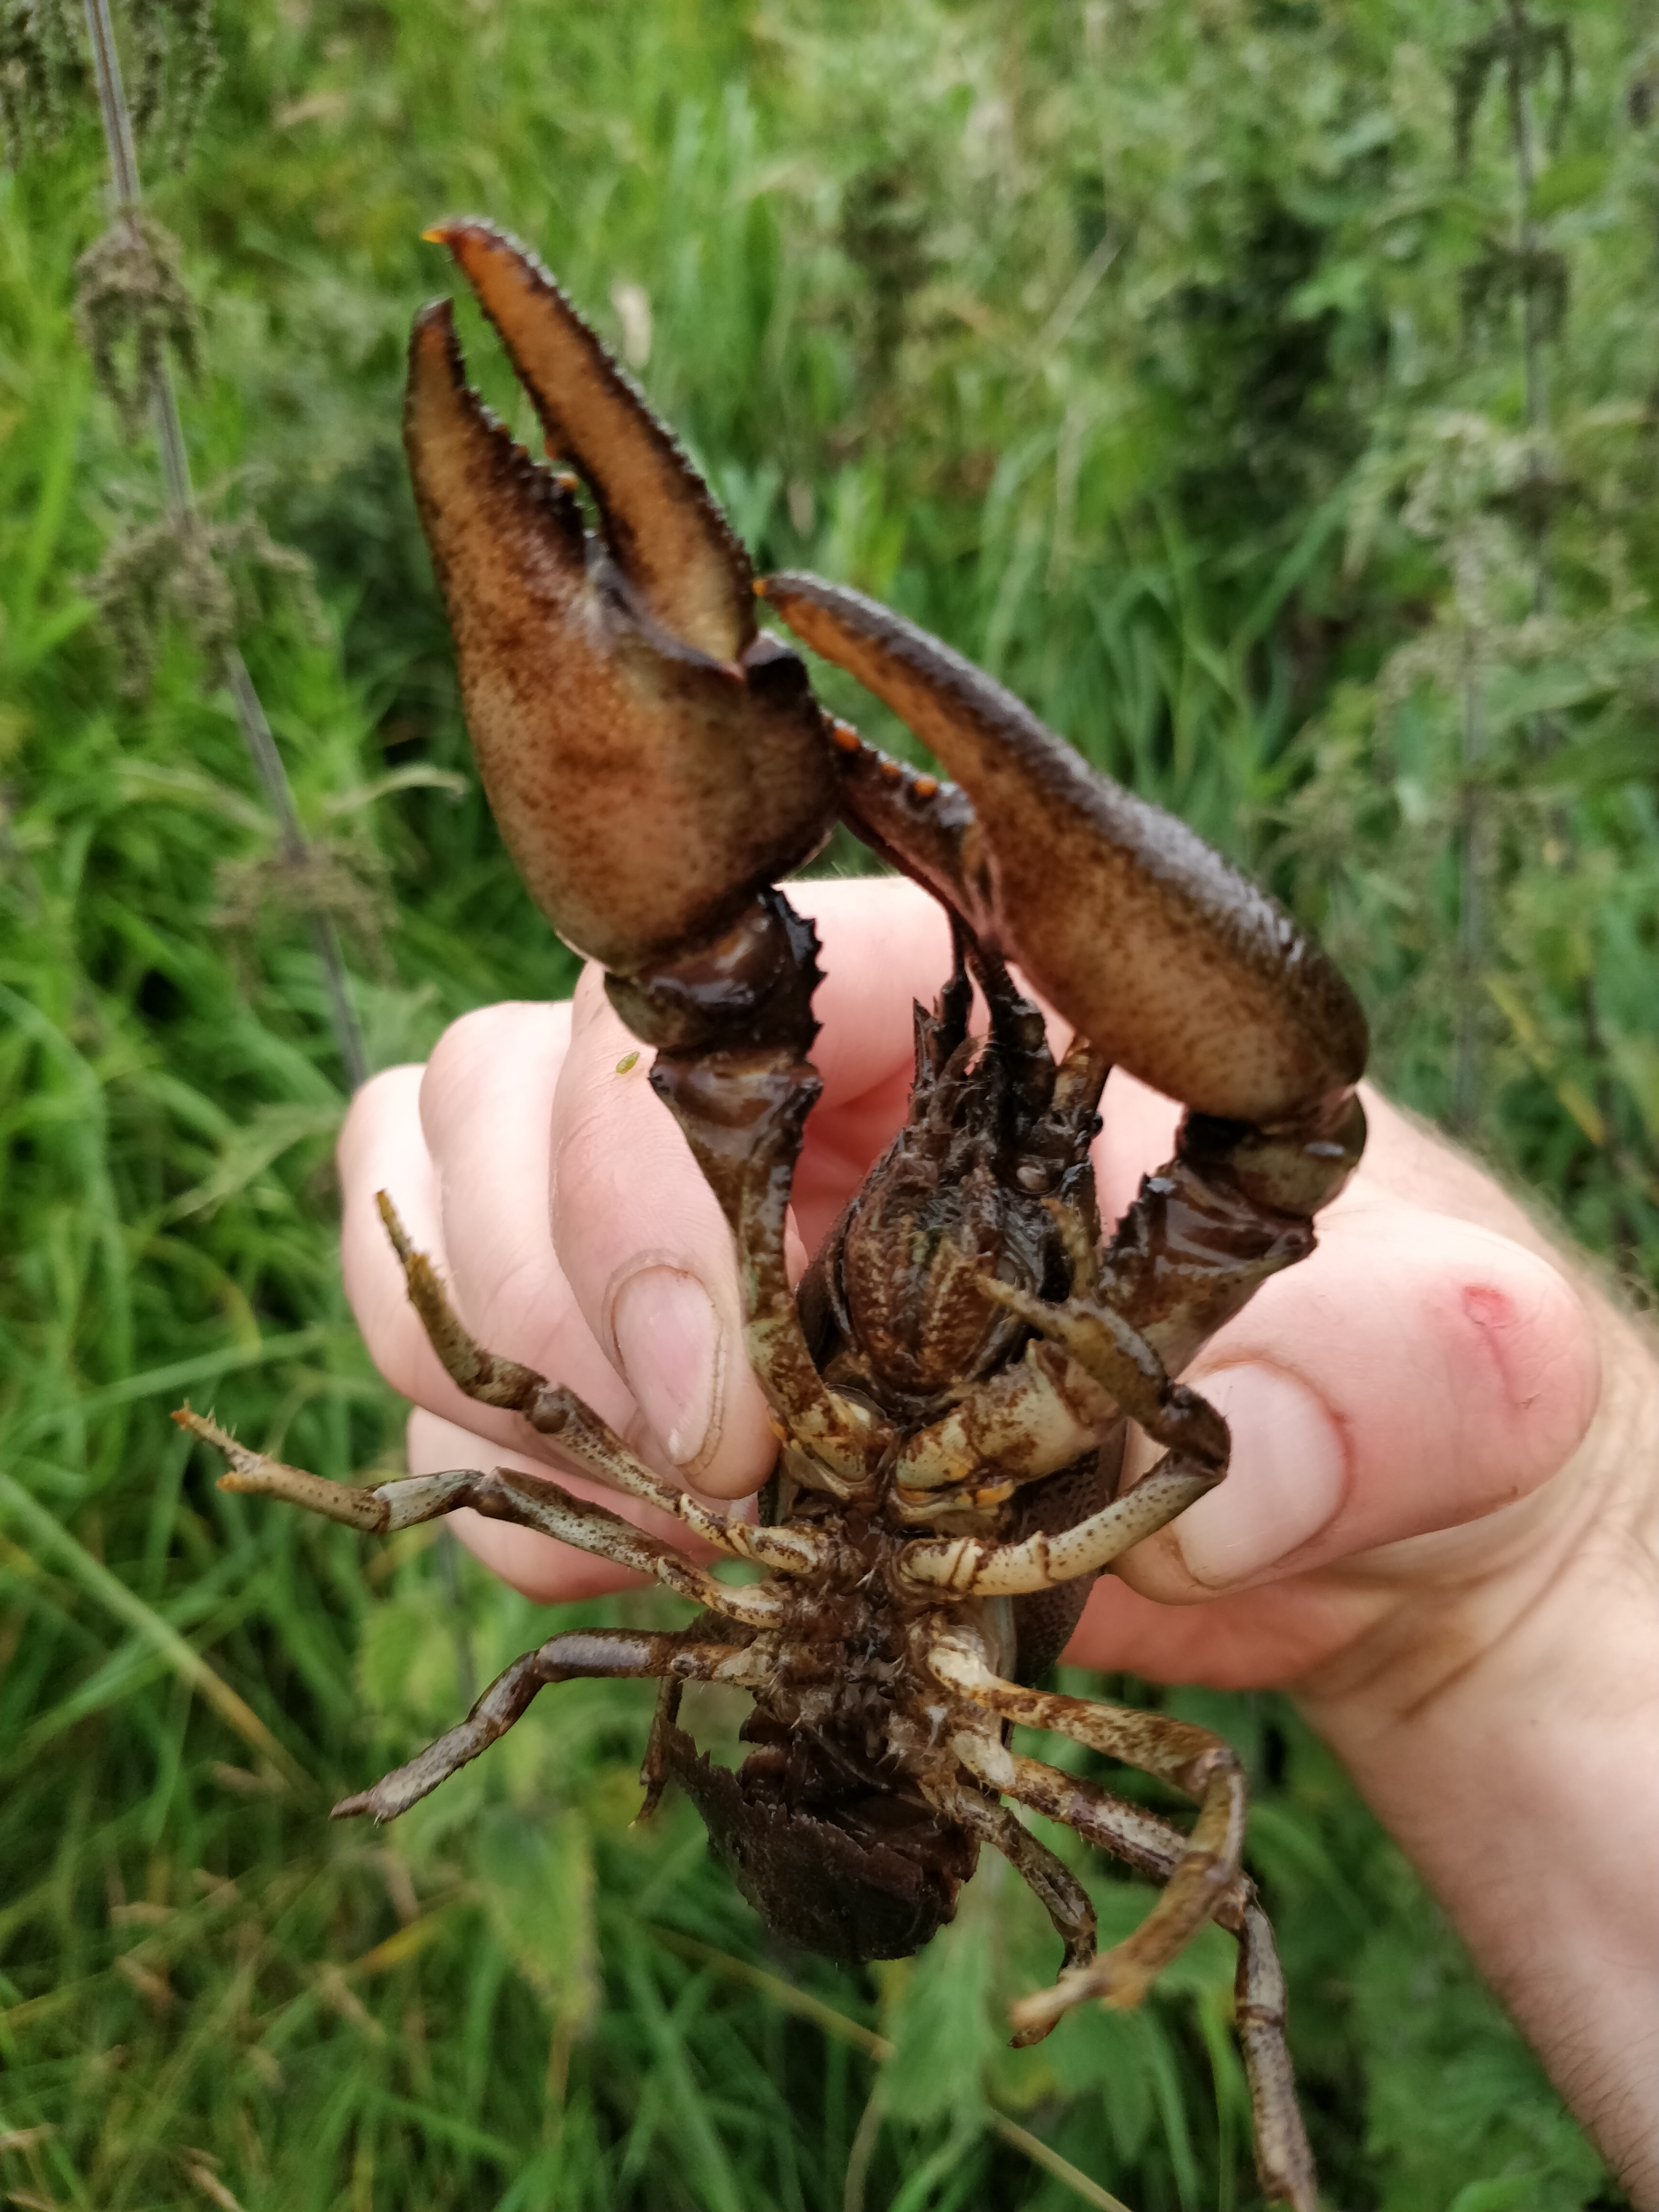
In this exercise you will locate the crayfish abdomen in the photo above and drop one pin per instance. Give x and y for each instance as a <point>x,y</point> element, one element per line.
<point>834,1847</point>
<point>852,1875</point>
<point>952,1388</point>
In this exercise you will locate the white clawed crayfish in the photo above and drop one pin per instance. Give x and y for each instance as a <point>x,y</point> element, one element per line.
<point>952,1379</point>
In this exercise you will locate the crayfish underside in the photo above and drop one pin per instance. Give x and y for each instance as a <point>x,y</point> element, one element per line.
<point>953,1378</point>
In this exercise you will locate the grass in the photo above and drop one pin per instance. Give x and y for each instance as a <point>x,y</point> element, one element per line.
<point>1124,348</point>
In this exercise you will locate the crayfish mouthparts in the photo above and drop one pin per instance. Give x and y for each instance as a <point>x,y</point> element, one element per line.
<point>953,1379</point>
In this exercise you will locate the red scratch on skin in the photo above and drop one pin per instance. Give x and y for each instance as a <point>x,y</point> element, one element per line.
<point>1486,1308</point>
<point>1493,1313</point>
<point>1543,1360</point>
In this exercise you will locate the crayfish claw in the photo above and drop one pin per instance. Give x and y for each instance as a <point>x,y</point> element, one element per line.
<point>651,761</point>
<point>687,573</point>
<point>1172,963</point>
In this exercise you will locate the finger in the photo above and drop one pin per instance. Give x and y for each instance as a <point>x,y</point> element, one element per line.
<point>646,1250</point>
<point>486,1109</point>
<point>382,1147</point>
<point>510,1280</point>
<point>1410,1161</point>
<point>886,943</point>
<point>539,1567</point>
<point>487,1113</point>
<point>1136,1137</point>
<point>1416,1374</point>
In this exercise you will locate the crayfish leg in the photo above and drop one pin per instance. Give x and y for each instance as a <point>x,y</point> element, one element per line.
<point>1050,1881</point>
<point>1284,2159</point>
<point>612,1653</point>
<point>1191,1758</point>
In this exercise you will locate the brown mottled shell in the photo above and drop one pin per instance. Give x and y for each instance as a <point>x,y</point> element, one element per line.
<point>1170,961</point>
<point>814,1881</point>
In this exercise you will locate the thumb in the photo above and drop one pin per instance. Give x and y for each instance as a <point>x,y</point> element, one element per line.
<point>1417,1373</point>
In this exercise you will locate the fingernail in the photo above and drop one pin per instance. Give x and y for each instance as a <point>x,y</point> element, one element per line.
<point>1288,1478</point>
<point>668,1342</point>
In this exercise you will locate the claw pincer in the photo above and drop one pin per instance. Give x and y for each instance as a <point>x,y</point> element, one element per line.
<point>655,761</point>
<point>1173,964</point>
<point>652,761</point>
<point>1168,961</point>
<point>952,1380</point>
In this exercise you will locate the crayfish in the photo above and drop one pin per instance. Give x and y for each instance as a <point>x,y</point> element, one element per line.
<point>952,1379</point>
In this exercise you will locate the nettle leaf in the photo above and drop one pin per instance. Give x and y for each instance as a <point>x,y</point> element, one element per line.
<point>536,1877</point>
<point>944,2030</point>
<point>1570,183</point>
<point>406,1661</point>
<point>1115,2056</point>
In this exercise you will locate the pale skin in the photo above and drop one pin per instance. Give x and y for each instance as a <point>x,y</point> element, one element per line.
<point>1441,1529</point>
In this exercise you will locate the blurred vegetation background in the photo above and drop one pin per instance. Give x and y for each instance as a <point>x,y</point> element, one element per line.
<point>1266,391</point>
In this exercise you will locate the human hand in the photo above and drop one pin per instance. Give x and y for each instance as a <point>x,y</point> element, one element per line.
<point>1438,1529</point>
<point>1428,1366</point>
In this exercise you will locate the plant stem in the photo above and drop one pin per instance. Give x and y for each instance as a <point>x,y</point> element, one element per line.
<point>1526,245</point>
<point>112,107</point>
<point>251,715</point>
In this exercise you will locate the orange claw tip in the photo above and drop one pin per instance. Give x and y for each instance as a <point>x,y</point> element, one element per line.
<point>453,229</point>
